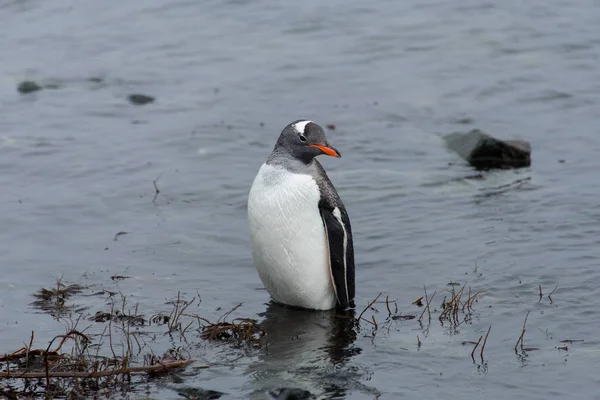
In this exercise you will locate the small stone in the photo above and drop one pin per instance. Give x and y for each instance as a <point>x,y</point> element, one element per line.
<point>291,394</point>
<point>28,87</point>
<point>464,121</point>
<point>199,393</point>
<point>140,99</point>
<point>331,127</point>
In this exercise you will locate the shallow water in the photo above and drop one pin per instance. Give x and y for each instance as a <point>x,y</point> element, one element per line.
<point>77,163</point>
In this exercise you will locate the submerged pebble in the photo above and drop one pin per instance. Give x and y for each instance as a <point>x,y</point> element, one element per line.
<point>291,394</point>
<point>140,99</point>
<point>199,393</point>
<point>28,87</point>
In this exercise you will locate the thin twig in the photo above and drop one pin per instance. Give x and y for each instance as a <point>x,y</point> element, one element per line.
<point>428,308</point>
<point>451,308</point>
<point>522,333</point>
<point>469,303</point>
<point>224,316</point>
<point>484,342</point>
<point>475,348</point>
<point>128,352</point>
<point>138,342</point>
<point>46,372</point>
<point>367,307</point>
<point>387,305</point>
<point>162,366</point>
<point>174,312</point>
<point>112,308</point>
<point>460,297</point>
<point>29,349</point>
<point>427,303</point>
<point>156,190</point>
<point>68,336</point>
<point>186,328</point>
<point>176,323</point>
<point>550,295</point>
<point>100,341</point>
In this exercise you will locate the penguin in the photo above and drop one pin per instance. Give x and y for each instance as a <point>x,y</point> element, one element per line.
<point>300,230</point>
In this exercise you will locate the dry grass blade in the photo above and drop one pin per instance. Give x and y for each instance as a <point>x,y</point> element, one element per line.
<point>571,341</point>
<point>68,335</point>
<point>156,190</point>
<point>387,305</point>
<point>403,317</point>
<point>367,307</point>
<point>551,293</point>
<point>520,340</point>
<point>160,367</point>
<point>452,307</point>
<point>468,305</point>
<point>475,348</point>
<point>427,305</point>
<point>178,311</point>
<point>484,342</point>
<point>29,348</point>
<point>228,313</point>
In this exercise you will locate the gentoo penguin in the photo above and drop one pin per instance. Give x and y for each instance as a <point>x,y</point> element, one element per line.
<point>299,228</point>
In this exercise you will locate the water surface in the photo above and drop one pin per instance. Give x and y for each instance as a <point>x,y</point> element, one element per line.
<point>77,163</point>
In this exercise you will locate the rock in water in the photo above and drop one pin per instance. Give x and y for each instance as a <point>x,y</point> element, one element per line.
<point>199,394</point>
<point>485,152</point>
<point>290,394</point>
<point>140,99</point>
<point>28,87</point>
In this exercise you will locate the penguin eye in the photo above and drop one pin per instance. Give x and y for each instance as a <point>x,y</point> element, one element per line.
<point>302,138</point>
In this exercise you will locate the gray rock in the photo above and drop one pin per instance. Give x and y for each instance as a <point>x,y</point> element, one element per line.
<point>291,394</point>
<point>28,87</point>
<point>483,151</point>
<point>199,394</point>
<point>140,99</point>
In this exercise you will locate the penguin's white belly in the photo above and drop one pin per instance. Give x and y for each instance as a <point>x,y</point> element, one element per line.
<point>288,239</point>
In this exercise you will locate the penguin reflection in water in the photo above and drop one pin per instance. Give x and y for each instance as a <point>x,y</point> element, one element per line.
<point>308,356</point>
<point>300,230</point>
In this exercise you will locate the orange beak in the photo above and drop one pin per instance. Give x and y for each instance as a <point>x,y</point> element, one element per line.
<point>330,151</point>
